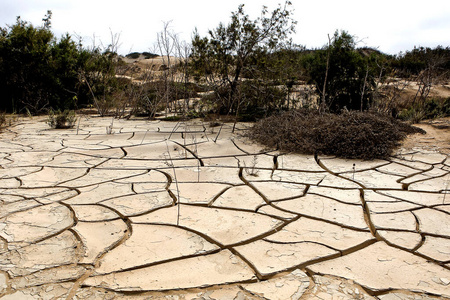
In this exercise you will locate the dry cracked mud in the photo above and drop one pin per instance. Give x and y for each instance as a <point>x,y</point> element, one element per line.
<point>160,210</point>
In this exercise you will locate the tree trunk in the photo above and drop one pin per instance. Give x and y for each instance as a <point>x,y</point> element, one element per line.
<point>322,105</point>
<point>364,87</point>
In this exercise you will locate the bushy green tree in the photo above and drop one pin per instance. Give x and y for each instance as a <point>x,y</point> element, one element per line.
<point>412,62</point>
<point>66,64</point>
<point>226,53</point>
<point>40,72</point>
<point>343,76</point>
<point>25,55</point>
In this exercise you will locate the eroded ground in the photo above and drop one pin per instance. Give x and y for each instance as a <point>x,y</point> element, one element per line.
<point>184,211</point>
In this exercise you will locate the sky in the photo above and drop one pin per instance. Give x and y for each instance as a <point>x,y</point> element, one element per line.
<point>391,26</point>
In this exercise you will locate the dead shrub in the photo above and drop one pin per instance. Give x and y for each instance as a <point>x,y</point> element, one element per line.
<point>353,134</point>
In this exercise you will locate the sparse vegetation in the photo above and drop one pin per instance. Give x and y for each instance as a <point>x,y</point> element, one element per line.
<point>246,70</point>
<point>61,119</point>
<point>430,109</point>
<point>228,54</point>
<point>364,135</point>
<point>252,170</point>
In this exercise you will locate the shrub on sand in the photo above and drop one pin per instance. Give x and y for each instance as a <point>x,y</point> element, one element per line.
<point>61,119</point>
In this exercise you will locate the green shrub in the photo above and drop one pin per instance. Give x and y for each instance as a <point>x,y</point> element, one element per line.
<point>37,70</point>
<point>59,120</point>
<point>430,109</point>
<point>253,100</point>
<point>348,135</point>
<point>347,73</point>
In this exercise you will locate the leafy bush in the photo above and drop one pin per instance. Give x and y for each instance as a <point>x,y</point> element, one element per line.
<point>60,120</point>
<point>253,100</point>
<point>348,74</point>
<point>38,71</point>
<point>413,62</point>
<point>348,135</point>
<point>430,109</point>
<point>228,50</point>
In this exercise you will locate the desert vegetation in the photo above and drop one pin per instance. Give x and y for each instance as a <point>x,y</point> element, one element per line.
<point>351,134</point>
<point>246,70</point>
<point>61,119</point>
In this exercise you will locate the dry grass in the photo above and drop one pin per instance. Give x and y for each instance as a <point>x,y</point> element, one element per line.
<point>347,135</point>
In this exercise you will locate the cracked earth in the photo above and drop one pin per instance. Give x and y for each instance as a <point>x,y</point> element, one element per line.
<point>160,210</point>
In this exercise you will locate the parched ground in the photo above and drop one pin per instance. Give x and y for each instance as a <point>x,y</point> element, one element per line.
<point>160,210</point>
<point>437,136</point>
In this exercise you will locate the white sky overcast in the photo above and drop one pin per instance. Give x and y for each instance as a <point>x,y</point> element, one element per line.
<point>389,25</point>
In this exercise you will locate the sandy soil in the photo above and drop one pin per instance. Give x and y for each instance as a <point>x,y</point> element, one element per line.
<point>436,138</point>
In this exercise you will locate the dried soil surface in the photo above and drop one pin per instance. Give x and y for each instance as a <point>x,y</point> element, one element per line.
<point>160,210</point>
<point>437,136</point>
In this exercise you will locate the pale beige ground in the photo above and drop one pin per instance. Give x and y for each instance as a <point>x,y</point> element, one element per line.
<point>160,210</point>
<point>437,136</point>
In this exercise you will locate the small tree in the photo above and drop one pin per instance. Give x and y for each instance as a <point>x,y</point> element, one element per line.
<point>225,55</point>
<point>432,74</point>
<point>342,76</point>
<point>174,78</point>
<point>24,66</point>
<point>183,52</point>
<point>166,45</point>
<point>66,63</point>
<point>38,71</point>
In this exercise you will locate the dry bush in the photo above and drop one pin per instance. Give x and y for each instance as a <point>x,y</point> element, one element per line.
<point>348,135</point>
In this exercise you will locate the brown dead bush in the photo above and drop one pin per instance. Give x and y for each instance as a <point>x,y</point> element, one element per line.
<point>353,134</point>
